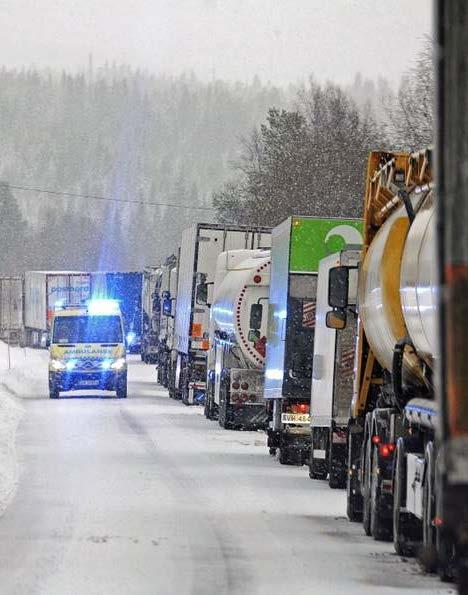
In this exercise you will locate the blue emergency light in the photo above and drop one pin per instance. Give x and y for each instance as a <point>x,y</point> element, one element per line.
<point>103,307</point>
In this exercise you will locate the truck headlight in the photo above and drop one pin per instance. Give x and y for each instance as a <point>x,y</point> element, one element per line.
<point>119,364</point>
<point>57,365</point>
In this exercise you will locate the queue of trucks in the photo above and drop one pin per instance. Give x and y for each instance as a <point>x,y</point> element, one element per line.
<point>322,333</point>
<point>343,339</point>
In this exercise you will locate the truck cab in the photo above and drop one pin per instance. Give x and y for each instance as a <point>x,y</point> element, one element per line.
<point>87,349</point>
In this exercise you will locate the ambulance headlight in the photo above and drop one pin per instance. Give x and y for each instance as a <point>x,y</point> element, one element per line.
<point>131,336</point>
<point>119,364</point>
<point>106,364</point>
<point>57,365</point>
<point>70,364</point>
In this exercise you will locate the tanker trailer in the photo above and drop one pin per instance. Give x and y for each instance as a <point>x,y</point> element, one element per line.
<point>238,324</point>
<point>391,453</point>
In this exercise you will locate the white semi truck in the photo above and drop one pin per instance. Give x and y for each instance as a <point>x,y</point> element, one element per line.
<point>200,247</point>
<point>298,246</point>
<point>150,314</point>
<point>11,309</point>
<point>332,376</point>
<point>239,315</point>
<point>168,301</point>
<point>44,292</point>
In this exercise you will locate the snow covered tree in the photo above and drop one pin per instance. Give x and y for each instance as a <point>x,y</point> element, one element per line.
<point>309,161</point>
<point>411,112</point>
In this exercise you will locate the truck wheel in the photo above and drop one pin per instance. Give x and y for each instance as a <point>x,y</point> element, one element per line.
<point>337,467</point>
<point>353,495</point>
<point>121,388</point>
<point>406,528</point>
<point>380,528</point>
<point>429,553</point>
<point>317,469</point>
<point>285,457</point>
<point>366,496</point>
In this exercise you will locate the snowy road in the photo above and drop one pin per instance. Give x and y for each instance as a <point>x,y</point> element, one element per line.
<point>145,496</point>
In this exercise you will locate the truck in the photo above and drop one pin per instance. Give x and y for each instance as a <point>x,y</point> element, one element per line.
<point>332,376</point>
<point>236,356</point>
<point>393,421</point>
<point>451,488</point>
<point>150,314</point>
<point>11,310</point>
<point>200,247</point>
<point>298,245</point>
<point>126,288</point>
<point>44,291</point>
<point>168,301</point>
<point>87,348</point>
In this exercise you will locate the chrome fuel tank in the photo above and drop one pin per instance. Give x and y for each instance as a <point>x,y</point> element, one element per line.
<point>398,287</point>
<point>379,297</point>
<point>419,282</point>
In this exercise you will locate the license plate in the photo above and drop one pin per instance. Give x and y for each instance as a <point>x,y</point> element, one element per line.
<point>89,382</point>
<point>295,418</point>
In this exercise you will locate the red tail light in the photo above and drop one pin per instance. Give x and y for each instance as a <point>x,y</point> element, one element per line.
<point>244,385</point>
<point>236,385</point>
<point>375,439</point>
<point>385,450</point>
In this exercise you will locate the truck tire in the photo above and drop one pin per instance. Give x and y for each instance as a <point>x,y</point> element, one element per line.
<point>366,485</point>
<point>429,554</point>
<point>405,533</point>
<point>121,387</point>
<point>353,495</point>
<point>381,528</point>
<point>337,467</point>
<point>317,468</point>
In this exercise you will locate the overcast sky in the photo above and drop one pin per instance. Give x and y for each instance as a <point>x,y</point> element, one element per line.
<point>280,40</point>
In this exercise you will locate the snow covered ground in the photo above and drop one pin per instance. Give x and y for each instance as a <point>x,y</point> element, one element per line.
<point>147,496</point>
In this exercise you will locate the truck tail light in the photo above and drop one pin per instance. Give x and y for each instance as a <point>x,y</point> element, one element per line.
<point>385,450</point>
<point>244,385</point>
<point>236,385</point>
<point>302,408</point>
<point>235,398</point>
<point>244,397</point>
<point>376,439</point>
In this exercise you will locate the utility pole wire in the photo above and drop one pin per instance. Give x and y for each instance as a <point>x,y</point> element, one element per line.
<point>109,199</point>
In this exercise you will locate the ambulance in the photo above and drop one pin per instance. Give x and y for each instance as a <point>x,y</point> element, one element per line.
<point>87,349</point>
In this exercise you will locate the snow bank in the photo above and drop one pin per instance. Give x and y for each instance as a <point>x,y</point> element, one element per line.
<point>28,374</point>
<point>23,374</point>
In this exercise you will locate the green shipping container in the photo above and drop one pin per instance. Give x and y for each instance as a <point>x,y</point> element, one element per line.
<point>298,245</point>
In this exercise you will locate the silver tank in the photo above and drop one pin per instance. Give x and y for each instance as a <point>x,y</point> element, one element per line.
<point>409,307</point>
<point>419,282</point>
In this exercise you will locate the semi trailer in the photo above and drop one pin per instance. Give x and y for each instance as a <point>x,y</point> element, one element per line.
<point>391,430</point>
<point>239,314</point>
<point>126,288</point>
<point>451,488</point>
<point>200,247</point>
<point>168,301</point>
<point>150,314</point>
<point>44,292</point>
<point>298,245</point>
<point>11,310</point>
<point>332,376</point>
